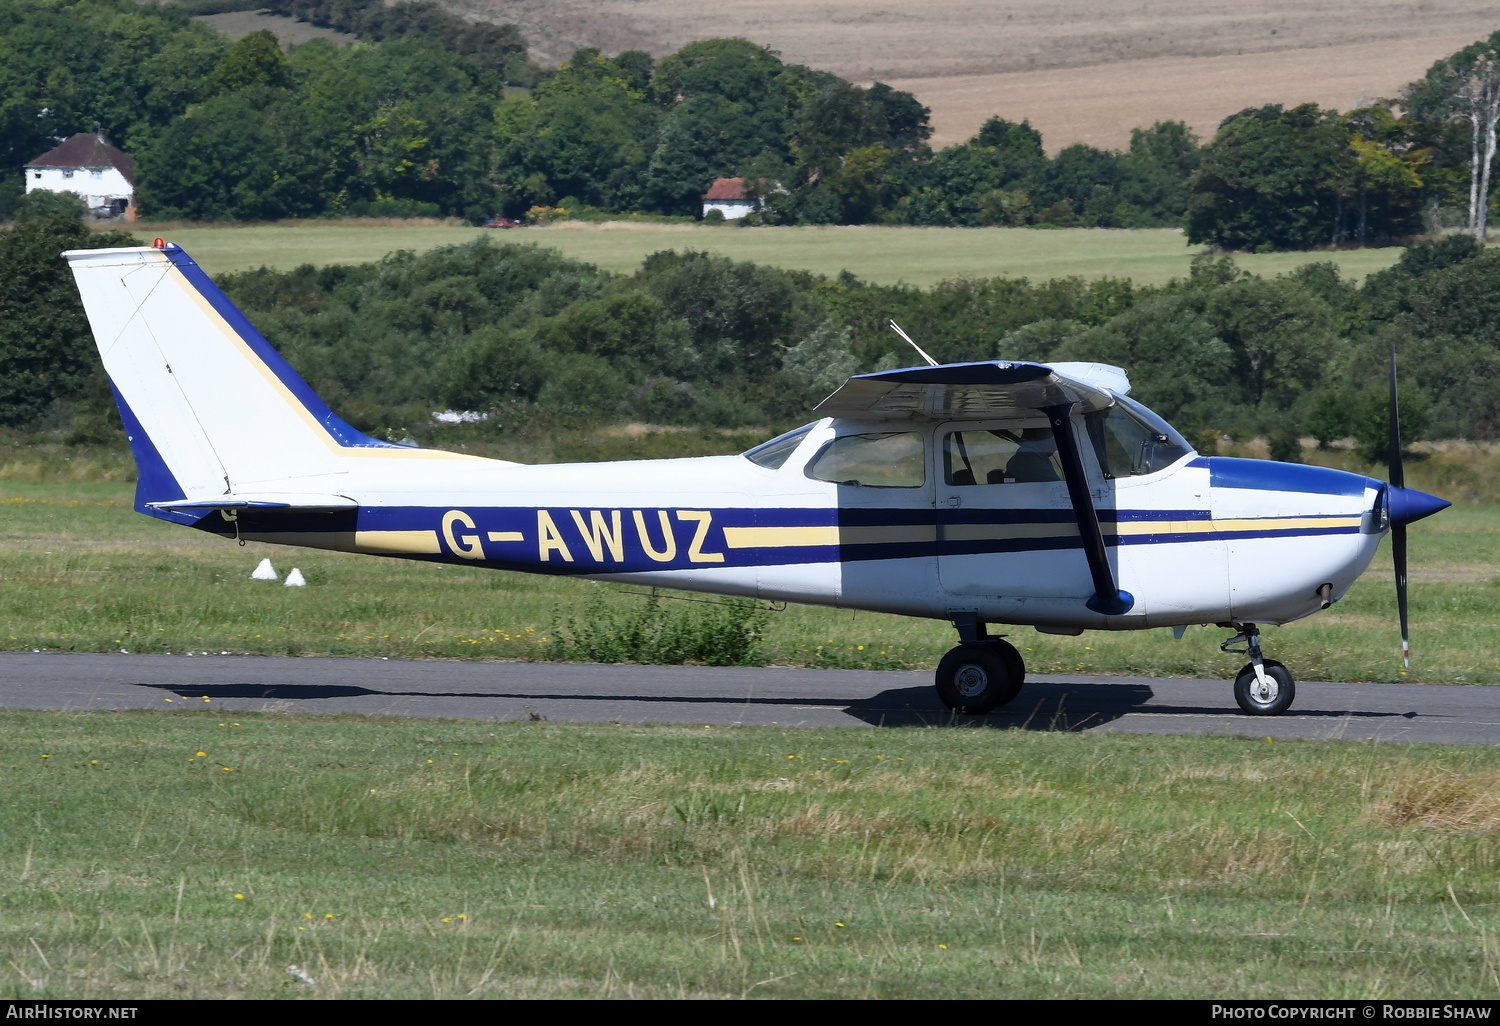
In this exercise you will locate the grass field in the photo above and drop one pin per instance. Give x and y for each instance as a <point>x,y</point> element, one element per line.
<point>916,256</point>
<point>159,855</point>
<point>82,572</point>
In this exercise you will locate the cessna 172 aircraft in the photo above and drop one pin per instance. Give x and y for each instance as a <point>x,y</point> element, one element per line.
<point>978,493</point>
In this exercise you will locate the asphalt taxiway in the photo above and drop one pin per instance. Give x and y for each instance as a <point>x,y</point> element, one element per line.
<point>730,696</point>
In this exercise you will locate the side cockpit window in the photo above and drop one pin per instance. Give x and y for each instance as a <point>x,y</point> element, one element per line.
<point>878,460</point>
<point>1000,456</point>
<point>774,453</point>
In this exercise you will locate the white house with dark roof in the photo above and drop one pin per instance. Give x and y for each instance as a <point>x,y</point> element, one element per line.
<point>88,166</point>
<point>730,197</point>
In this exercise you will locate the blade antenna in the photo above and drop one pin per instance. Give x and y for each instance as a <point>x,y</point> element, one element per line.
<point>1398,531</point>
<point>897,329</point>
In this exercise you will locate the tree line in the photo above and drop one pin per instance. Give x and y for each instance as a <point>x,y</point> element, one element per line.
<point>526,340</point>
<point>434,115</point>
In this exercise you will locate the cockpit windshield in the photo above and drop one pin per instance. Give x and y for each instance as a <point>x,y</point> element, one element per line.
<point>1131,441</point>
<point>774,453</point>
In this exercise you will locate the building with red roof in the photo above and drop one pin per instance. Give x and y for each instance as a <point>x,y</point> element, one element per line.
<point>730,197</point>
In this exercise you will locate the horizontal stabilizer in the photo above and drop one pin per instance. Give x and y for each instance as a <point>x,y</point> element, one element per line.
<point>990,390</point>
<point>270,501</point>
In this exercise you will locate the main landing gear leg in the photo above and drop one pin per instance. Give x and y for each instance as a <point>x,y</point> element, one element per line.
<point>982,673</point>
<point>1264,687</point>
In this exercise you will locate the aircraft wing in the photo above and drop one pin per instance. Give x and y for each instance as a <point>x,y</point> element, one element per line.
<point>991,390</point>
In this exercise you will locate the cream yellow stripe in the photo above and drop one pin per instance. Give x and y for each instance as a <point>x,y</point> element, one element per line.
<point>890,533</point>
<point>1163,527</point>
<point>506,536</point>
<point>1002,532</point>
<point>1284,523</point>
<point>790,537</point>
<point>779,537</point>
<point>406,542</point>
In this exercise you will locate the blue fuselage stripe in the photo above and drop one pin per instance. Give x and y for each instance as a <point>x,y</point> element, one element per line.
<point>567,540</point>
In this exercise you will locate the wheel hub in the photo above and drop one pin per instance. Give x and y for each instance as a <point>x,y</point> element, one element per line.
<point>971,680</point>
<point>1265,691</point>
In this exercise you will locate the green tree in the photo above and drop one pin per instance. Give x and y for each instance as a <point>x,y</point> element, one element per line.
<point>253,62</point>
<point>906,120</point>
<point>959,185</point>
<point>736,312</point>
<point>1272,179</point>
<point>587,135</point>
<point>1154,175</point>
<point>1465,87</point>
<point>726,103</point>
<point>46,349</point>
<point>1080,187</point>
<point>218,162</point>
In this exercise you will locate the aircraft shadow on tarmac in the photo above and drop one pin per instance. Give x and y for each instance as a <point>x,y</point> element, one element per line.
<point>1074,706</point>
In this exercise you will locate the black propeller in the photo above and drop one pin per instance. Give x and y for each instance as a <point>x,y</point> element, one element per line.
<point>1398,531</point>
<point>1403,505</point>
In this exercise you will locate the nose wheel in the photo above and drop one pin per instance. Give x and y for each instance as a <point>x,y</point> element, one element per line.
<point>1264,687</point>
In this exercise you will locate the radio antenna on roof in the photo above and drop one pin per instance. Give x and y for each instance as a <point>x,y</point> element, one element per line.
<point>897,329</point>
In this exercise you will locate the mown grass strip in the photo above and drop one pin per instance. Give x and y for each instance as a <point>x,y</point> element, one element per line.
<point>883,256</point>
<point>192,855</point>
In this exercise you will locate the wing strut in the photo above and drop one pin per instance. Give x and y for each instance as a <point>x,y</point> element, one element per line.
<point>1108,598</point>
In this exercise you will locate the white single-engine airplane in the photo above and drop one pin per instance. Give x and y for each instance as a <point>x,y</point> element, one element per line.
<point>977,493</point>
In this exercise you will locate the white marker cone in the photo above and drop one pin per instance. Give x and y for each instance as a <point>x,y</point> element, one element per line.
<point>295,579</point>
<point>264,572</point>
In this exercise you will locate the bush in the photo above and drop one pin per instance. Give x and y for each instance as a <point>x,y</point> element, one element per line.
<point>1370,422</point>
<point>705,632</point>
<point>1285,445</point>
<point>41,204</point>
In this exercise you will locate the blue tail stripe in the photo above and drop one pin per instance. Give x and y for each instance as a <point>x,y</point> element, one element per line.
<point>155,482</point>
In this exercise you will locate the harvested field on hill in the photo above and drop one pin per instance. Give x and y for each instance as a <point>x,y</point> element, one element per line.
<point>1130,62</point>
<point>1100,104</point>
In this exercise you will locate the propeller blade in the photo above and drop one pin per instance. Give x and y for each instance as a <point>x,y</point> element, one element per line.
<point>1398,557</point>
<point>1398,474</point>
<point>1398,527</point>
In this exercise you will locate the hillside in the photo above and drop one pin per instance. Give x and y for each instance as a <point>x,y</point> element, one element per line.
<point>1078,75</point>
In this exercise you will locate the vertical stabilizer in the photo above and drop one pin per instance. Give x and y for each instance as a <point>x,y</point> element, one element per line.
<point>211,409</point>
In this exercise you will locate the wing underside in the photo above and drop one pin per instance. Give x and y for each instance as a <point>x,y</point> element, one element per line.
<point>991,390</point>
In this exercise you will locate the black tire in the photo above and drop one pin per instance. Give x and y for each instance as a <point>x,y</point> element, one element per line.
<point>976,678</point>
<point>1013,659</point>
<point>1254,704</point>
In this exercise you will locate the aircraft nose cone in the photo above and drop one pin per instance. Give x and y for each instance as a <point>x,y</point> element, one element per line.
<point>1408,505</point>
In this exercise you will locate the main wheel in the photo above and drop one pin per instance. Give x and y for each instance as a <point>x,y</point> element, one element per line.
<point>976,678</point>
<point>1013,660</point>
<point>1265,700</point>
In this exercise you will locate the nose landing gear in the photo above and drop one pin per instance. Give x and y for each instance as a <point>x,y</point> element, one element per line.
<point>1264,687</point>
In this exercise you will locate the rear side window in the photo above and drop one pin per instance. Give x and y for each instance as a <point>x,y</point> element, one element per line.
<point>883,460</point>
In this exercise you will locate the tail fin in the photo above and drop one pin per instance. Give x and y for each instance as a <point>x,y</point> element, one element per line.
<point>212,411</point>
